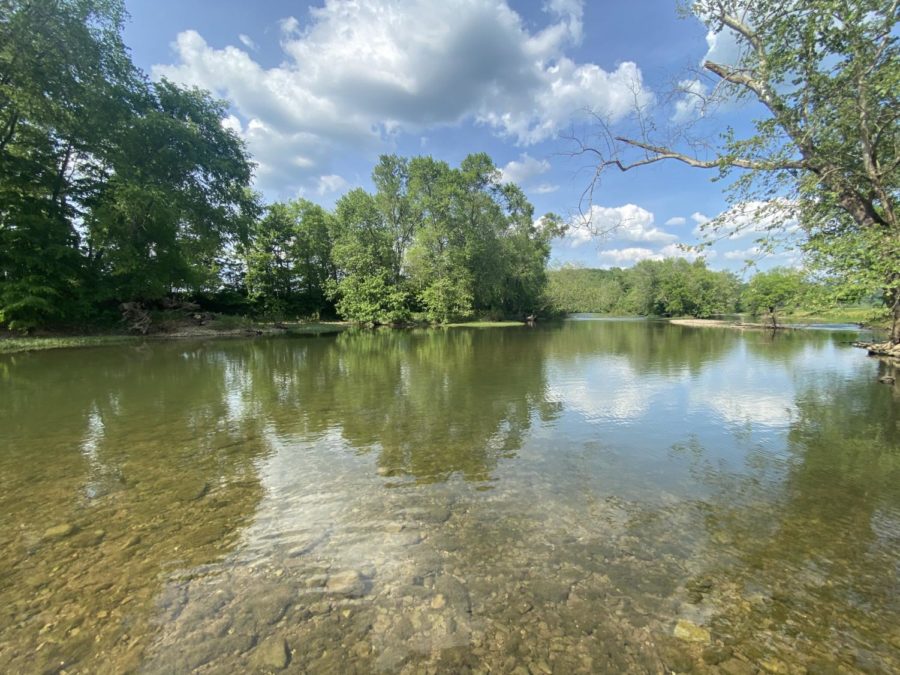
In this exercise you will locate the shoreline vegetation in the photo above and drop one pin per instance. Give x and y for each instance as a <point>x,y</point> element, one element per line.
<point>229,326</point>
<point>16,344</point>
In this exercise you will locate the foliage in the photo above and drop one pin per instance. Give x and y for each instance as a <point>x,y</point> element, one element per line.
<point>111,188</point>
<point>670,287</point>
<point>826,76</point>
<point>769,292</point>
<point>449,243</point>
<point>288,260</point>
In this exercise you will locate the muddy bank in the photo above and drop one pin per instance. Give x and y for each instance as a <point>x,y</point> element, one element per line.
<point>11,343</point>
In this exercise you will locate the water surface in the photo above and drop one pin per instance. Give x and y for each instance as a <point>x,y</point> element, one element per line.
<point>594,496</point>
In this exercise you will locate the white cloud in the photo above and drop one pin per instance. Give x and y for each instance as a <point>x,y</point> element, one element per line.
<point>753,218</point>
<point>629,222</point>
<point>247,41</point>
<point>629,256</point>
<point>354,73</point>
<point>699,218</point>
<point>692,103</point>
<point>233,123</point>
<point>722,47</point>
<point>545,188</point>
<point>523,169</point>
<point>331,183</point>
<point>744,253</point>
<point>677,220</point>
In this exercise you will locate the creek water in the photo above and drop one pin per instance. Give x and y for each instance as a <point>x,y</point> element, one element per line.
<point>592,496</point>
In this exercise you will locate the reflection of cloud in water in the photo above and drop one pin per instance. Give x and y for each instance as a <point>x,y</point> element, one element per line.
<point>607,388</point>
<point>770,410</point>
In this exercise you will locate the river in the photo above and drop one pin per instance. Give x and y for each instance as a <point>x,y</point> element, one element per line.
<point>592,496</point>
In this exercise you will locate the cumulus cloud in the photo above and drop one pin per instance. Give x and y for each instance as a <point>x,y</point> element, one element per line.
<point>353,74</point>
<point>691,254</point>
<point>724,48</point>
<point>677,220</point>
<point>629,222</point>
<point>523,169</point>
<point>331,183</point>
<point>692,103</point>
<point>754,218</point>
<point>247,41</point>
<point>629,256</point>
<point>699,218</point>
<point>546,188</point>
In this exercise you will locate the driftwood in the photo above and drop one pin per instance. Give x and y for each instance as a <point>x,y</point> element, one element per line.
<point>136,316</point>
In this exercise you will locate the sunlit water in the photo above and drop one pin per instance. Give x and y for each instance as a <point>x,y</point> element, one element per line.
<point>594,496</point>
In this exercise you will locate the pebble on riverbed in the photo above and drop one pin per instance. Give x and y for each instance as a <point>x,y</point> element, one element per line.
<point>690,632</point>
<point>271,654</point>
<point>350,584</point>
<point>59,531</point>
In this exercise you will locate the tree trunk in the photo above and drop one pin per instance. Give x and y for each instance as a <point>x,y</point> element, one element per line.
<point>895,318</point>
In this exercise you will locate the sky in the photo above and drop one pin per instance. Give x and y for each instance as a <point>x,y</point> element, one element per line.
<point>320,89</point>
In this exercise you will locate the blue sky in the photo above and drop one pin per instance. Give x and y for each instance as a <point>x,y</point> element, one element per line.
<point>320,89</point>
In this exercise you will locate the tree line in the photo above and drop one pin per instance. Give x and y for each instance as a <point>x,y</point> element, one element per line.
<point>115,190</point>
<point>676,287</point>
<point>432,242</point>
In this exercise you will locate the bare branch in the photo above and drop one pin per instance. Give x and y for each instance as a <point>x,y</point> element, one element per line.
<point>661,153</point>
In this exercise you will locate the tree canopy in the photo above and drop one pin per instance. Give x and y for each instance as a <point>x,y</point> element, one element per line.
<point>112,188</point>
<point>825,75</point>
<point>432,241</point>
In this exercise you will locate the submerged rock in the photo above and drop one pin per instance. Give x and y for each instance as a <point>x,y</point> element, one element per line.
<point>690,632</point>
<point>59,531</point>
<point>271,654</point>
<point>351,584</point>
<point>714,654</point>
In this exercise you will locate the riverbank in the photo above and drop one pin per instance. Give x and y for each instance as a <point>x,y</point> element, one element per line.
<point>10,344</point>
<point>726,323</point>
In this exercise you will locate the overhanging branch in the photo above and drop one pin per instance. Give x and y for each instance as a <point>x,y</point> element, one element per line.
<point>661,153</point>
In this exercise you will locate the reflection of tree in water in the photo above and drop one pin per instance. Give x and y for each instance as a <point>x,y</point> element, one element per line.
<point>783,346</point>
<point>650,346</point>
<point>811,541</point>
<point>142,453</point>
<point>432,403</point>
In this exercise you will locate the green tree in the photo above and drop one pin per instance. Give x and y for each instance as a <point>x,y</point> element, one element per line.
<point>288,260</point>
<point>111,188</point>
<point>826,74</point>
<point>177,195</point>
<point>769,292</point>
<point>65,81</point>
<point>365,289</point>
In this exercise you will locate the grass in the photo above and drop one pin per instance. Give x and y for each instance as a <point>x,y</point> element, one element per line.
<point>316,328</point>
<point>12,345</point>
<point>860,315</point>
<point>484,324</point>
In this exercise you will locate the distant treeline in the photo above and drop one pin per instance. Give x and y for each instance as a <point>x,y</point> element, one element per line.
<point>677,287</point>
<point>670,287</point>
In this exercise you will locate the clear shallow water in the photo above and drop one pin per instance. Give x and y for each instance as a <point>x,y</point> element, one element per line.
<point>571,498</point>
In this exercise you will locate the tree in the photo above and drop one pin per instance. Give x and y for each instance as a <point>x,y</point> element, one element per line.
<point>288,260</point>
<point>365,289</point>
<point>176,195</point>
<point>826,74</point>
<point>65,81</point>
<point>771,291</point>
<point>111,188</point>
